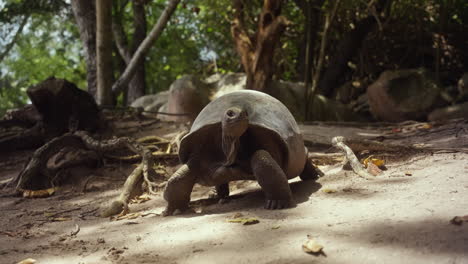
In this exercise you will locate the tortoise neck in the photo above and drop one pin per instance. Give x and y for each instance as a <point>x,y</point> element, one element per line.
<point>230,145</point>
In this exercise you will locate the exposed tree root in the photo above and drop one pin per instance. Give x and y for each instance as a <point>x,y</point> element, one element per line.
<point>39,175</point>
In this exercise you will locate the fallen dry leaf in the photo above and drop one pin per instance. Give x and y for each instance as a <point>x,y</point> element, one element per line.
<point>141,199</point>
<point>425,126</point>
<point>244,221</point>
<point>60,219</point>
<point>75,231</point>
<point>373,169</point>
<point>126,216</point>
<point>39,193</point>
<point>312,247</point>
<point>328,190</point>
<point>458,220</point>
<point>27,261</point>
<point>375,161</point>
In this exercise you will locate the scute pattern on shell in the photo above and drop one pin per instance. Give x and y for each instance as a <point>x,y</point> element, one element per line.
<point>264,111</point>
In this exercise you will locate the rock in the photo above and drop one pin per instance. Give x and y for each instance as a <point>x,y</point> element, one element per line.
<point>450,112</point>
<point>463,86</point>
<point>227,83</point>
<point>187,95</point>
<point>60,102</point>
<point>151,102</point>
<point>402,95</point>
<point>348,91</point>
<point>290,94</point>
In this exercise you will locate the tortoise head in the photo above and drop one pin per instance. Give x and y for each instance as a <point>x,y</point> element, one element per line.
<point>235,121</point>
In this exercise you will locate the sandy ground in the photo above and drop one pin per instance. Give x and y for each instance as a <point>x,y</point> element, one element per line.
<point>401,217</point>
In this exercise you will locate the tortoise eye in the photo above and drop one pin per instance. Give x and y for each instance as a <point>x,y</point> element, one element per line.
<point>230,113</point>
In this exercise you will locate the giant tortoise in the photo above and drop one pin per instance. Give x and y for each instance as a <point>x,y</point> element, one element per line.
<point>243,135</point>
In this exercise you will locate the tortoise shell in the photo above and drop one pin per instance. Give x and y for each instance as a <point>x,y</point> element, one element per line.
<point>267,116</point>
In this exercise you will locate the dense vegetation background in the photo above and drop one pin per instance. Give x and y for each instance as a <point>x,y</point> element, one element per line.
<point>40,38</point>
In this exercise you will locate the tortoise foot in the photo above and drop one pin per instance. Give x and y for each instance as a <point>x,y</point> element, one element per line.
<point>279,204</point>
<point>169,211</point>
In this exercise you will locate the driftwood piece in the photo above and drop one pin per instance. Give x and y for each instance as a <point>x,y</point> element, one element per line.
<point>353,160</point>
<point>37,175</point>
<point>120,205</point>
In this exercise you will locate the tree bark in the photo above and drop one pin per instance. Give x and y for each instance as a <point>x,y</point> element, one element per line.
<point>104,51</point>
<point>257,51</point>
<point>132,66</point>
<point>311,11</point>
<point>137,85</point>
<point>85,16</point>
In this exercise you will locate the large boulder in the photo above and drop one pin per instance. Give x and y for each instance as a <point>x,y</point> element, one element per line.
<point>187,95</point>
<point>290,94</point>
<point>403,95</point>
<point>151,102</point>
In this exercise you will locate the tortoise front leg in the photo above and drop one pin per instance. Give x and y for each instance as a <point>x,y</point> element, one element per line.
<point>273,181</point>
<point>178,190</point>
<point>222,190</point>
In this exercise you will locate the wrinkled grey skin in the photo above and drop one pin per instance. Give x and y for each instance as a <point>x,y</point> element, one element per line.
<point>244,135</point>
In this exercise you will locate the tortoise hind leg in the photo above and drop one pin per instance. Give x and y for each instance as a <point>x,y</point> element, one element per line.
<point>310,172</point>
<point>178,190</point>
<point>272,179</point>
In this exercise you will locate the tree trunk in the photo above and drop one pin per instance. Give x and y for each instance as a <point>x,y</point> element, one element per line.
<point>85,16</point>
<point>349,45</point>
<point>125,78</point>
<point>311,11</point>
<point>257,51</point>
<point>137,85</point>
<point>104,51</point>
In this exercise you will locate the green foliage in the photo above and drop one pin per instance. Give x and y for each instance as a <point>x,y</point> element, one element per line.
<point>197,40</point>
<point>48,46</point>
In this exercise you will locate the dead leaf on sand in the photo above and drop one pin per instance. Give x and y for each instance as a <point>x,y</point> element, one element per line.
<point>60,219</point>
<point>126,216</point>
<point>39,193</point>
<point>372,160</point>
<point>245,221</point>
<point>329,190</point>
<point>312,247</point>
<point>27,261</point>
<point>141,199</point>
<point>373,169</point>
<point>458,220</point>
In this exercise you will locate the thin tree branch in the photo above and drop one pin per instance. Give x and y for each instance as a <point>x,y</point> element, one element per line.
<point>144,47</point>
<point>10,45</point>
<point>119,34</point>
